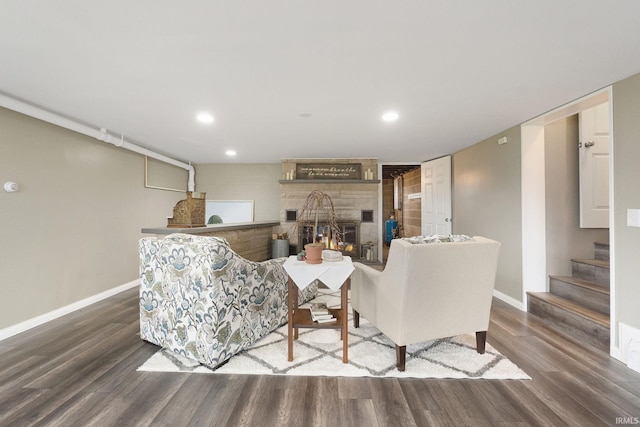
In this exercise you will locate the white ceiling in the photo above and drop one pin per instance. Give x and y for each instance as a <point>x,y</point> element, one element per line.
<point>456,71</point>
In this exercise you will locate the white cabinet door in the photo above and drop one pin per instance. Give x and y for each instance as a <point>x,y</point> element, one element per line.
<point>594,167</point>
<point>436,196</point>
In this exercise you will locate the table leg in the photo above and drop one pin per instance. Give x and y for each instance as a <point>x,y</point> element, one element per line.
<point>290,319</point>
<point>295,305</point>
<point>345,322</point>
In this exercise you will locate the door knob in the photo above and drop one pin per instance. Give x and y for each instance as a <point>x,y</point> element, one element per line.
<point>589,144</point>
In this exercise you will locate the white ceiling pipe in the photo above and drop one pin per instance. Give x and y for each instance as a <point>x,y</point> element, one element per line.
<point>121,142</point>
<point>100,134</point>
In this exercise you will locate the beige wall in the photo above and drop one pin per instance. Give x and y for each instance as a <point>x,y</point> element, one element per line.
<point>487,202</point>
<point>257,182</point>
<point>626,156</point>
<point>564,237</point>
<point>72,230</point>
<point>77,191</point>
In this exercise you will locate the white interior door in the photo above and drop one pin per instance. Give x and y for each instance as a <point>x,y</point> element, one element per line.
<point>594,167</point>
<point>436,196</point>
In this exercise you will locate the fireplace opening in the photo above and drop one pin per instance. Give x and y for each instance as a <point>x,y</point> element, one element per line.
<point>347,242</point>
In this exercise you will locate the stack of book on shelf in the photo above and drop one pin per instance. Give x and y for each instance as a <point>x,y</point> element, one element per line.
<point>320,313</point>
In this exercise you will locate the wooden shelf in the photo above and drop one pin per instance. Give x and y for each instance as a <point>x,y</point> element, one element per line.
<point>329,181</point>
<point>302,319</point>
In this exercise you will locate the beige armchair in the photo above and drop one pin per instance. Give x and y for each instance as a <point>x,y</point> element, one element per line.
<point>428,291</point>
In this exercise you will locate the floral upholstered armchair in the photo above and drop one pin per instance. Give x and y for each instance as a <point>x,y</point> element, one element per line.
<point>202,300</point>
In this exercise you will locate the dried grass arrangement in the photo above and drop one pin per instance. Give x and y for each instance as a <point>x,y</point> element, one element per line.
<point>318,208</point>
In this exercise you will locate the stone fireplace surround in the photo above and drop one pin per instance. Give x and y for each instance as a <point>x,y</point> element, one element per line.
<point>351,197</point>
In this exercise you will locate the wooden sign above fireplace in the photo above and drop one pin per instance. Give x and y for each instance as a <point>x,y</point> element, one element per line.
<point>328,171</point>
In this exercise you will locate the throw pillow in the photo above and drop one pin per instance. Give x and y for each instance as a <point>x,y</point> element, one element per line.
<point>438,238</point>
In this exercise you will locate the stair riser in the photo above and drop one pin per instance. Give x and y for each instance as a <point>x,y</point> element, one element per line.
<point>592,273</point>
<point>587,298</point>
<point>601,252</point>
<point>570,323</point>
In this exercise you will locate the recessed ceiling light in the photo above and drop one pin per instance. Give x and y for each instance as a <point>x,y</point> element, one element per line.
<point>390,116</point>
<point>230,153</point>
<point>204,118</point>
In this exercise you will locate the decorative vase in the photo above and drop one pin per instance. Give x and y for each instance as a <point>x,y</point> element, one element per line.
<point>313,253</point>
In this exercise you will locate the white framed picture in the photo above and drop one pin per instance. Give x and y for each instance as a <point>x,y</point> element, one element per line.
<point>228,211</point>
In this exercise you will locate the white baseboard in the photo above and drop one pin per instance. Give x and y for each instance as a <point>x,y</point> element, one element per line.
<point>616,354</point>
<point>47,317</point>
<point>509,300</point>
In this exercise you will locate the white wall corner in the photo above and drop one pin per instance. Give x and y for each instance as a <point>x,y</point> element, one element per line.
<point>47,317</point>
<point>534,268</point>
<point>629,346</point>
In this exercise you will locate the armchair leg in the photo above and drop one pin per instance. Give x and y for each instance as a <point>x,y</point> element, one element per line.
<point>481,341</point>
<point>401,357</point>
<point>356,319</point>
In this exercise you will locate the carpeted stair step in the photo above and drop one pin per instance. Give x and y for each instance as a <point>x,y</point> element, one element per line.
<point>588,294</point>
<point>593,270</point>
<point>570,318</point>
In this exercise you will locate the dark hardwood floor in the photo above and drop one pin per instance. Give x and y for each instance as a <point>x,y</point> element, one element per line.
<point>80,370</point>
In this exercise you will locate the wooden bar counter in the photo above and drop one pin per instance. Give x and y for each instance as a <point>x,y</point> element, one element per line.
<point>251,240</point>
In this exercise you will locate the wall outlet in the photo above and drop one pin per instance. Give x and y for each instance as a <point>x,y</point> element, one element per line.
<point>633,355</point>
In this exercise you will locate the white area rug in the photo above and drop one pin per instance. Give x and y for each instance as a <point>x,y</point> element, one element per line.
<point>318,352</point>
